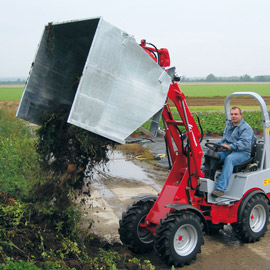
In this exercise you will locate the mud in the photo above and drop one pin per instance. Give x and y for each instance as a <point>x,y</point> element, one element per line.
<point>219,101</point>
<point>191,101</point>
<point>11,105</point>
<point>113,190</point>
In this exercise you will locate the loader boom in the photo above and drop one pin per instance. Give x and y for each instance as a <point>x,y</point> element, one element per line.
<point>185,155</point>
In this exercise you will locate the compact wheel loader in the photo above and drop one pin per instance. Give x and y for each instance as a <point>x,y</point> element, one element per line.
<point>173,222</point>
<point>113,85</point>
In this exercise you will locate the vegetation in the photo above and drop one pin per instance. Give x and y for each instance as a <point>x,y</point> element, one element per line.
<point>214,122</point>
<point>244,78</point>
<point>223,90</point>
<point>62,146</point>
<point>39,224</point>
<point>19,265</point>
<point>19,161</point>
<point>209,78</point>
<point>12,81</point>
<point>190,90</point>
<point>10,93</point>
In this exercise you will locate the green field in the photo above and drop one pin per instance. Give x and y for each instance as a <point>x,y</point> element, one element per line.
<point>223,90</point>
<point>10,92</point>
<point>190,90</point>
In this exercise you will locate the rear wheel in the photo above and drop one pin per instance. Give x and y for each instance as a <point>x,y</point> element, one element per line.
<point>179,238</point>
<point>253,223</point>
<point>136,238</point>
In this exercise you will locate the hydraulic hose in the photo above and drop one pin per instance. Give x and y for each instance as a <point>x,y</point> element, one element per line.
<point>200,126</point>
<point>155,49</point>
<point>189,173</point>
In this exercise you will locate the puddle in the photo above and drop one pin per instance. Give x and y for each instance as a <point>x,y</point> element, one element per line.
<point>120,180</point>
<point>120,168</point>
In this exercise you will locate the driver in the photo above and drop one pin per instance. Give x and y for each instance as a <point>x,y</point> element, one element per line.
<point>238,138</point>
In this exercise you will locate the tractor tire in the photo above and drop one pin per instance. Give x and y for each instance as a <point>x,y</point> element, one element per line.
<point>179,238</point>
<point>135,238</point>
<point>253,223</point>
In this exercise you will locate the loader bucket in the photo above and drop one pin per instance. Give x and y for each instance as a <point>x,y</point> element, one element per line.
<point>110,83</point>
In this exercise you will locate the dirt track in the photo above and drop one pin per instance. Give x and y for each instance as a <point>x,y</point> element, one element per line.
<point>219,101</point>
<point>191,101</point>
<point>9,104</point>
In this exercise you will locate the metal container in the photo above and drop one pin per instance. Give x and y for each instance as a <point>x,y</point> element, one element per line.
<point>110,83</point>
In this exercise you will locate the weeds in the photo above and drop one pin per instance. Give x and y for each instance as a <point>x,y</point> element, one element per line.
<point>38,221</point>
<point>19,265</point>
<point>18,158</point>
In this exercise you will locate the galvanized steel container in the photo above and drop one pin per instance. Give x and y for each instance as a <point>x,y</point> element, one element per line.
<point>110,83</point>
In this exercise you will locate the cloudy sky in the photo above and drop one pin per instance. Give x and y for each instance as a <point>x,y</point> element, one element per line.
<point>225,38</point>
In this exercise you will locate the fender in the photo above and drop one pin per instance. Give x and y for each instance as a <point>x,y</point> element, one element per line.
<point>188,207</point>
<point>245,201</point>
<point>146,197</point>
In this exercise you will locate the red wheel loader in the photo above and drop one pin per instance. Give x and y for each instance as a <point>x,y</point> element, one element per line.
<point>173,222</point>
<point>113,85</point>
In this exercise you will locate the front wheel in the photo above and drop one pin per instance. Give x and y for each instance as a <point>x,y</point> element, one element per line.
<point>179,238</point>
<point>136,238</point>
<point>253,223</point>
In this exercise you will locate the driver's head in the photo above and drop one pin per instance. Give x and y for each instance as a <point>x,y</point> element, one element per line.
<point>236,116</point>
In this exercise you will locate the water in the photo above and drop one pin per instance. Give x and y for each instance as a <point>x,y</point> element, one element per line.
<point>119,167</point>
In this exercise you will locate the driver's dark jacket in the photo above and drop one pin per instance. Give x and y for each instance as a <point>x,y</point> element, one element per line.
<point>239,138</point>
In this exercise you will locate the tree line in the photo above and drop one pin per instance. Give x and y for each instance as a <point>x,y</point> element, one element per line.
<point>212,78</point>
<point>12,81</point>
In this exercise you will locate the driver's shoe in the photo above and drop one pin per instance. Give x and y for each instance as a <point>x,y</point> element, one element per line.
<point>217,193</point>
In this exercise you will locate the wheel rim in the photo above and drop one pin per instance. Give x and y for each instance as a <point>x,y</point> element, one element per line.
<point>185,240</point>
<point>257,218</point>
<point>145,236</point>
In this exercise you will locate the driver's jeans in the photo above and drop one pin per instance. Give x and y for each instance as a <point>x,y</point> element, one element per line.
<point>230,160</point>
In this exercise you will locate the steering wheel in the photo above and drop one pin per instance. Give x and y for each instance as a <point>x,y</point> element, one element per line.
<point>216,147</point>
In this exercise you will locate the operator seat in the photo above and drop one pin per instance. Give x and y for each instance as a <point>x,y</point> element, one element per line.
<point>212,165</point>
<point>242,166</point>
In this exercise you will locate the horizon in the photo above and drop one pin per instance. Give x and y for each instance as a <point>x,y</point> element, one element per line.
<point>15,78</point>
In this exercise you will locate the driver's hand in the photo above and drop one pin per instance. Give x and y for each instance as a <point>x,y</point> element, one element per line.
<point>226,146</point>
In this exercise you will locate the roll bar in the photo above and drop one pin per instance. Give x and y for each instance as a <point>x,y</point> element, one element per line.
<point>265,164</point>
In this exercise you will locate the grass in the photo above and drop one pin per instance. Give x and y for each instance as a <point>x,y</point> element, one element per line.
<point>10,92</point>
<point>190,90</point>
<point>222,90</point>
<point>18,158</point>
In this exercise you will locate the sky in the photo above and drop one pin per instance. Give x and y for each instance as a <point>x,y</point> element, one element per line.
<point>226,38</point>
